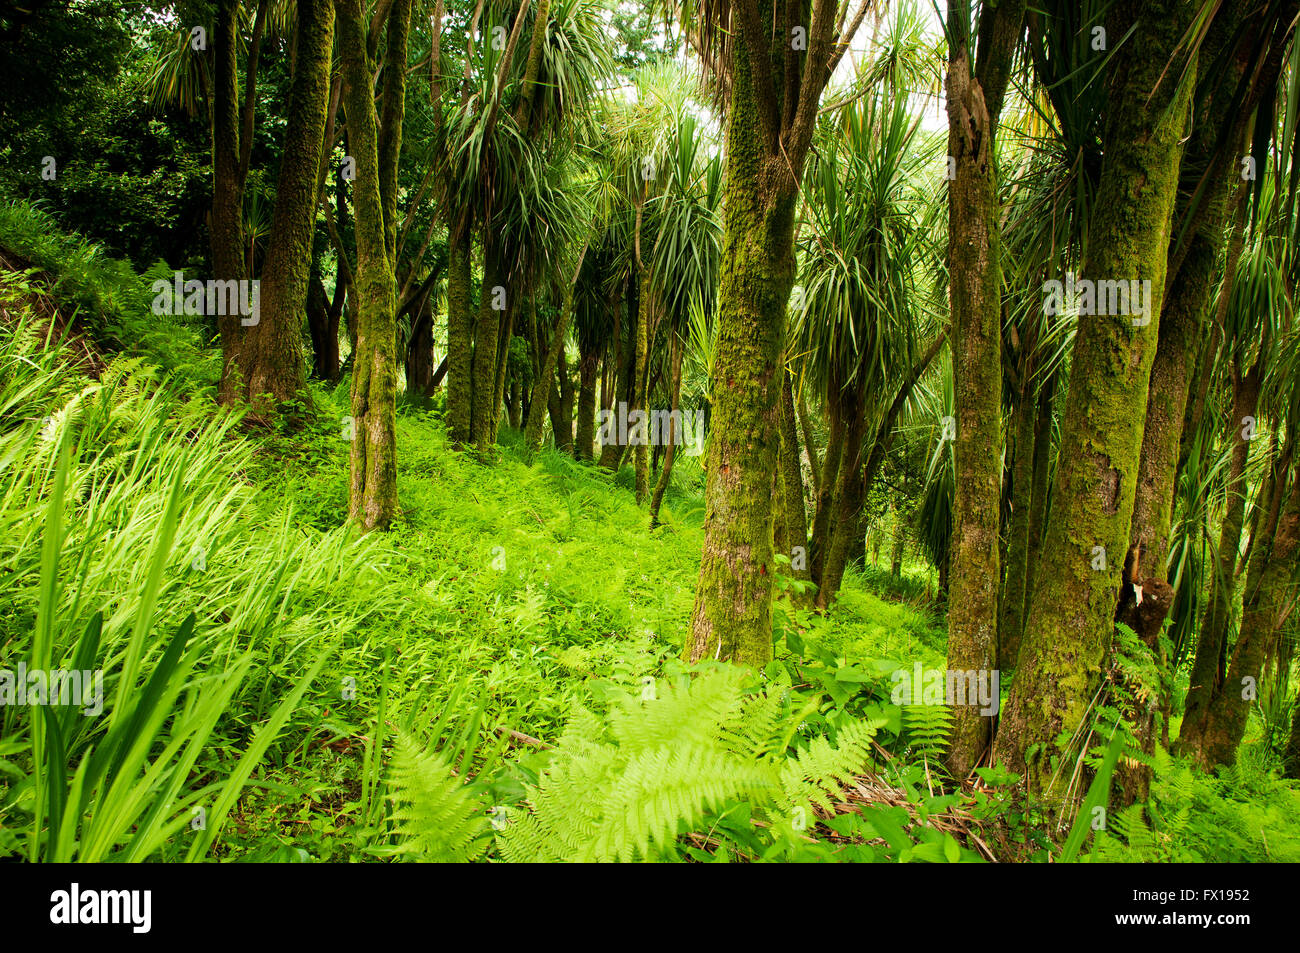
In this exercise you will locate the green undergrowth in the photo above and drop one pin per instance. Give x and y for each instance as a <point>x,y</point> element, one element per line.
<point>497,677</point>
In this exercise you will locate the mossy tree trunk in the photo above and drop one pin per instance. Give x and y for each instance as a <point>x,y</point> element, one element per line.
<point>393,104</point>
<point>588,371</point>
<point>1041,489</point>
<point>460,332</point>
<point>272,355</point>
<point>775,92</point>
<point>1071,619</point>
<point>974,101</point>
<point>487,329</point>
<point>373,488</point>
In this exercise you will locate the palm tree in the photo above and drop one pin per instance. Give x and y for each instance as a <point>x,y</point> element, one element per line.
<point>863,250</point>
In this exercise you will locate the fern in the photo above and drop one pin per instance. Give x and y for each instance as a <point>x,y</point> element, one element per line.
<point>438,819</point>
<point>927,728</point>
<point>625,788</point>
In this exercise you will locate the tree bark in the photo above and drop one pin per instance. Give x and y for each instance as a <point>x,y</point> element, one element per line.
<point>976,301</point>
<point>1208,668</point>
<point>227,221</point>
<point>373,490</point>
<point>1012,606</point>
<point>460,332</point>
<point>796,517</point>
<point>820,542</point>
<point>1071,620</point>
<point>272,348</point>
<point>588,370</point>
<point>733,598</point>
<point>487,330</point>
<point>1267,607</point>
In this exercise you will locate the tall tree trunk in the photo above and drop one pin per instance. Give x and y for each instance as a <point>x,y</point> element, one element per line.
<point>545,379</point>
<point>1268,604</point>
<point>810,449</point>
<point>1191,283</point>
<point>588,370</point>
<point>641,451</point>
<point>394,111</point>
<point>1041,490</point>
<point>272,348</point>
<point>227,222</point>
<point>1208,668</point>
<point>565,443</point>
<point>487,330</point>
<point>791,486</point>
<point>1071,620</point>
<point>1012,605</point>
<point>460,332</point>
<point>976,301</point>
<point>848,497</point>
<point>674,437</point>
<point>611,456</point>
<point>373,491</point>
<point>732,618</point>
<point>820,543</point>
<point>499,376</point>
